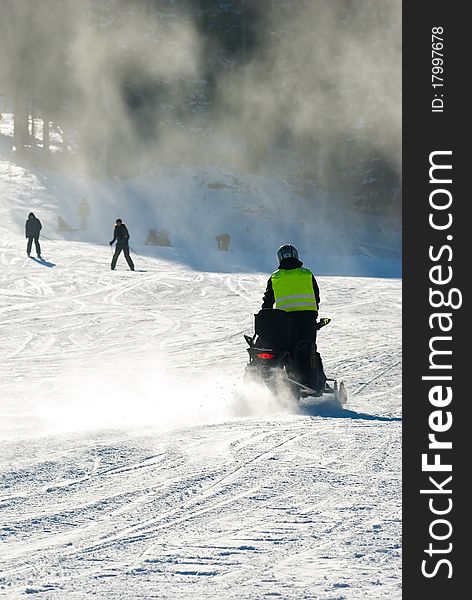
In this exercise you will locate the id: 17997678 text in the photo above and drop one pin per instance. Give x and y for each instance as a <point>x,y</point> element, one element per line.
<point>437,69</point>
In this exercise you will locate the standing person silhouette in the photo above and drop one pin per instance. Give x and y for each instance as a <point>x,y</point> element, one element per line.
<point>121,236</point>
<point>32,228</point>
<point>83,212</point>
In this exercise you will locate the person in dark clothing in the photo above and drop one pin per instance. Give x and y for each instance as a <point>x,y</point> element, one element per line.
<point>32,228</point>
<point>121,236</point>
<point>294,289</point>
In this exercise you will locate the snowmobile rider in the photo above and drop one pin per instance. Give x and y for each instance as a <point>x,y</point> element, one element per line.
<point>294,289</point>
<point>32,228</point>
<point>121,236</point>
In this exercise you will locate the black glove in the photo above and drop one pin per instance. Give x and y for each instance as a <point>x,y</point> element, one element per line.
<point>111,243</point>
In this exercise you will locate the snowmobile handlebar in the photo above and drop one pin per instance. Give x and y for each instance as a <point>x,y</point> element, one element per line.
<point>322,322</point>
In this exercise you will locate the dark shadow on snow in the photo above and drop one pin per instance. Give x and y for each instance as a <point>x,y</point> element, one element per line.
<point>335,412</point>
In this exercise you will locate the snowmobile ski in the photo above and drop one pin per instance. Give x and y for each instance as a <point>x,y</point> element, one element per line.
<point>339,392</point>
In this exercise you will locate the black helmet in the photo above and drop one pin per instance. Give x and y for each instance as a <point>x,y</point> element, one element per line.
<point>287,251</point>
<point>118,221</point>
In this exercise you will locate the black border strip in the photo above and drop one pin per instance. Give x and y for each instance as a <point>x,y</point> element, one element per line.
<point>441,193</point>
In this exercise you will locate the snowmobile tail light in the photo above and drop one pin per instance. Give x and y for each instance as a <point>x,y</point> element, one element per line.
<point>265,355</point>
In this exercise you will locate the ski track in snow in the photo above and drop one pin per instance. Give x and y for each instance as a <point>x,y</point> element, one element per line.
<point>130,468</point>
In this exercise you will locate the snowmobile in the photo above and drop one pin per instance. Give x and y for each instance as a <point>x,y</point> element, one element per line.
<point>283,360</point>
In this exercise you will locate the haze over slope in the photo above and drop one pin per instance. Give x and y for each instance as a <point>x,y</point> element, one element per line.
<point>308,90</point>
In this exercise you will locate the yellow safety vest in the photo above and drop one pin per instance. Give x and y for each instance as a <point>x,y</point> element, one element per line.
<point>293,289</point>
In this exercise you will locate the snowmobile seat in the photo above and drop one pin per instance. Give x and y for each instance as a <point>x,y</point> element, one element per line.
<point>273,329</point>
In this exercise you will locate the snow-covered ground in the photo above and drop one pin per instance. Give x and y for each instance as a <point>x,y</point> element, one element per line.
<point>134,463</point>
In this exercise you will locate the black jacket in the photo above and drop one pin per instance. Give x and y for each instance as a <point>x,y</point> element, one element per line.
<point>32,226</point>
<point>121,235</point>
<point>288,263</point>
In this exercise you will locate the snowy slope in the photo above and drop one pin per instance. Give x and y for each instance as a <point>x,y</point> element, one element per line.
<point>135,464</point>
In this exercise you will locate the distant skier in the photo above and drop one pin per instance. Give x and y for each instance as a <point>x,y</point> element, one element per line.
<point>294,289</point>
<point>121,236</point>
<point>223,241</point>
<point>32,228</point>
<point>83,212</point>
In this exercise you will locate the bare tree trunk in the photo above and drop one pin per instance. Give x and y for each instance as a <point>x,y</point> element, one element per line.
<point>65,140</point>
<point>46,135</point>
<point>32,127</point>
<point>20,124</point>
